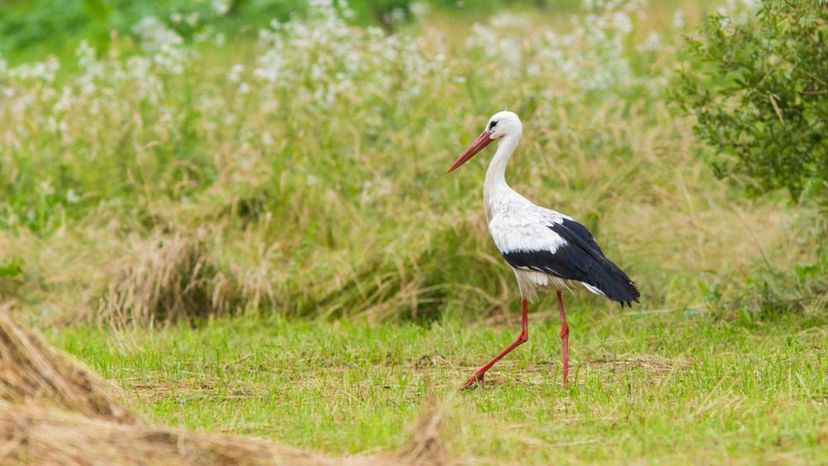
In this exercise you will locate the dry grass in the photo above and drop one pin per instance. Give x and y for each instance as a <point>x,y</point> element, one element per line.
<point>38,435</point>
<point>52,410</point>
<point>166,278</point>
<point>34,434</point>
<point>425,446</point>
<point>31,371</point>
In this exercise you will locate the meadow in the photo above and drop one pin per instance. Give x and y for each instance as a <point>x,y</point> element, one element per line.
<point>255,234</point>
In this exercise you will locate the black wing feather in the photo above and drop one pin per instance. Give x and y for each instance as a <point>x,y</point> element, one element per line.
<point>581,259</point>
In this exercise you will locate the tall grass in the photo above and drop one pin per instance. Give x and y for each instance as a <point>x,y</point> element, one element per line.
<point>315,159</point>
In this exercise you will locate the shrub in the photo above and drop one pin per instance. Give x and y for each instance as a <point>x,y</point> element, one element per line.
<point>758,87</point>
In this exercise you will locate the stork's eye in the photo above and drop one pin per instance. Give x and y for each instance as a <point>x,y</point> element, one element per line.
<point>492,125</point>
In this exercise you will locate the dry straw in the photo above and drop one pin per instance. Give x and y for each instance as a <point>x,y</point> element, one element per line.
<point>29,370</point>
<point>33,434</point>
<point>53,411</point>
<point>167,278</point>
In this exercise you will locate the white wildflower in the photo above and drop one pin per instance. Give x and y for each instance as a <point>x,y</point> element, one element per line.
<point>37,71</point>
<point>235,73</point>
<point>419,9</point>
<point>221,7</point>
<point>72,197</point>
<point>397,15</point>
<point>64,102</point>
<point>652,43</point>
<point>47,188</point>
<point>678,19</point>
<point>269,66</point>
<point>621,21</point>
<point>154,34</point>
<point>166,45</point>
<point>509,20</point>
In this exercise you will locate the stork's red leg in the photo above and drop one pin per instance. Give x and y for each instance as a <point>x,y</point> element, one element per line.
<point>521,339</point>
<point>564,338</point>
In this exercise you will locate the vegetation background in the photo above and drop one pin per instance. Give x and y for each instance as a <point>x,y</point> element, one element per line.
<point>239,212</point>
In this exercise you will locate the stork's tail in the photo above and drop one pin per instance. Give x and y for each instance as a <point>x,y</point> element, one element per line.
<point>614,284</point>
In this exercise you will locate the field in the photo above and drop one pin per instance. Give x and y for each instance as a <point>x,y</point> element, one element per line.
<point>665,388</point>
<point>253,233</point>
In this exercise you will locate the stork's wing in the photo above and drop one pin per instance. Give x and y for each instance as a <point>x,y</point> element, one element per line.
<point>552,243</point>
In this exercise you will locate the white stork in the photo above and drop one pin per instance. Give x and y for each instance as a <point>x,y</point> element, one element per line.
<point>546,249</point>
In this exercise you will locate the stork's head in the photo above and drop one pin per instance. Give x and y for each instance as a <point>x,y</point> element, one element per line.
<point>500,125</point>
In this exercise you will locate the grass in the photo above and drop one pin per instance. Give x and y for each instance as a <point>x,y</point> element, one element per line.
<point>658,387</point>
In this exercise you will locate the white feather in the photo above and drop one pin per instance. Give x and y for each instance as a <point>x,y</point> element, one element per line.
<point>593,289</point>
<point>518,225</point>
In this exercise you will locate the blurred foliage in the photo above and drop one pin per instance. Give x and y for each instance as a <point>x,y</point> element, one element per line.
<point>322,195</point>
<point>771,291</point>
<point>11,267</point>
<point>49,23</point>
<point>758,87</point>
<point>57,26</point>
<point>769,294</point>
<point>11,275</point>
<point>311,154</point>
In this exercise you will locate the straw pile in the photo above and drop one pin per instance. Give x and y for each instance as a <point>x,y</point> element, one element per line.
<point>33,434</point>
<point>30,371</point>
<point>53,411</point>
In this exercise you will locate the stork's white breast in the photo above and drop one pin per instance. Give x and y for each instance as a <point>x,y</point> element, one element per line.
<point>520,227</point>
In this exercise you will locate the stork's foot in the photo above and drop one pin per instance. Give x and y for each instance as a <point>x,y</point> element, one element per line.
<point>477,377</point>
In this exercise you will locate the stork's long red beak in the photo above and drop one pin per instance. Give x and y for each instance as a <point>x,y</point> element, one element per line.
<point>482,141</point>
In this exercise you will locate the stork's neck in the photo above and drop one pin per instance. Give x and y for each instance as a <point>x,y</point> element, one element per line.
<point>495,185</point>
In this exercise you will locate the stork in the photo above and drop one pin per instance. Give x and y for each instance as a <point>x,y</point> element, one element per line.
<point>546,249</point>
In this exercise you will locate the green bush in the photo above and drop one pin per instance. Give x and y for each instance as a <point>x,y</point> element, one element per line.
<point>758,87</point>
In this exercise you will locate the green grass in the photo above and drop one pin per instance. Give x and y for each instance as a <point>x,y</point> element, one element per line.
<point>664,387</point>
